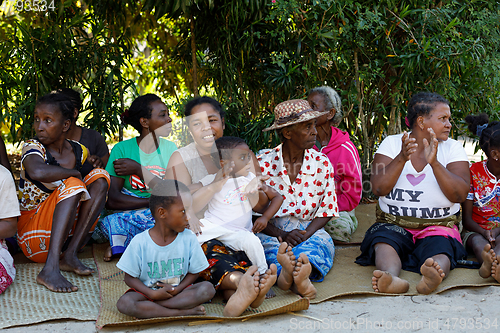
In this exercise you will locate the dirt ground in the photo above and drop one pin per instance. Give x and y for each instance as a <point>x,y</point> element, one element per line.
<point>459,310</point>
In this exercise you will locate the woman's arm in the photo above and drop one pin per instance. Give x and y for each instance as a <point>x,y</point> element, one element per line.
<point>176,169</point>
<point>8,227</point>
<point>37,170</point>
<point>386,171</point>
<point>119,201</point>
<point>454,180</point>
<point>4,159</point>
<point>315,225</point>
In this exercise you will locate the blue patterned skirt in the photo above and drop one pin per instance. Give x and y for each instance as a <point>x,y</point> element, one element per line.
<point>319,247</point>
<point>121,227</point>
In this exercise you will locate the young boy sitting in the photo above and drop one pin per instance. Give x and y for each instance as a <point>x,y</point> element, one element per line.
<point>229,214</point>
<point>162,264</point>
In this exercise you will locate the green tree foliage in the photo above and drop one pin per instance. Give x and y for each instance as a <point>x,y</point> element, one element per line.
<point>253,54</point>
<point>375,53</point>
<point>65,47</point>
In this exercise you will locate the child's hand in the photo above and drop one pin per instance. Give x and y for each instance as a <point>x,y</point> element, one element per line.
<point>260,224</point>
<point>195,224</point>
<point>222,176</point>
<point>165,292</point>
<point>488,235</point>
<point>126,166</point>
<point>96,161</point>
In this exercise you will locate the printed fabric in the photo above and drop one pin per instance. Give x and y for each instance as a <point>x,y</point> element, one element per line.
<point>485,193</point>
<point>33,193</point>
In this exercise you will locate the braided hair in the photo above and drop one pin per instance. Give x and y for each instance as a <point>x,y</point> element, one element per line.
<point>73,95</point>
<point>422,104</point>
<point>140,108</point>
<point>61,101</point>
<point>488,133</point>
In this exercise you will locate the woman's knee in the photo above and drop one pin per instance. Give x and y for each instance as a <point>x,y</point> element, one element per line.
<point>98,187</point>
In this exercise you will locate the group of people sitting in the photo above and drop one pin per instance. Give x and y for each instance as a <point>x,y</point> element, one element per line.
<point>213,216</point>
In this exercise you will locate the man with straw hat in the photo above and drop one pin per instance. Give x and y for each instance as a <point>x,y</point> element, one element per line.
<point>294,239</point>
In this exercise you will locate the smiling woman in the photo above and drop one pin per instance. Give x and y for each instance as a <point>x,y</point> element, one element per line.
<point>135,166</point>
<point>55,202</point>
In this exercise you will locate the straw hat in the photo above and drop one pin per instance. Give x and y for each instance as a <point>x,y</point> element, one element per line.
<point>292,112</point>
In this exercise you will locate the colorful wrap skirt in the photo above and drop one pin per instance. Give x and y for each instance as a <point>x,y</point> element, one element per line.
<point>120,227</point>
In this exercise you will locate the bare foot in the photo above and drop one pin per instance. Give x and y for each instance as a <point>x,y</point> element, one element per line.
<point>432,275</point>
<point>286,258</point>
<point>270,294</point>
<point>247,292</point>
<point>198,310</point>
<point>301,279</point>
<point>385,282</point>
<point>108,254</point>
<point>488,255</point>
<point>495,270</point>
<point>265,284</point>
<point>54,281</point>
<point>73,264</point>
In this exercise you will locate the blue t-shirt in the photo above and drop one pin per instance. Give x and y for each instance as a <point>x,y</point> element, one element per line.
<point>151,263</point>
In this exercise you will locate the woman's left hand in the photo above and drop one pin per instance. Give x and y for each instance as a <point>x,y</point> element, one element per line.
<point>430,148</point>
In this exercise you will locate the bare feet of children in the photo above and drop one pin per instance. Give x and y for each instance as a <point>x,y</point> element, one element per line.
<point>495,270</point>
<point>54,281</point>
<point>301,279</point>
<point>385,282</point>
<point>432,276</point>
<point>71,263</point>
<point>108,254</point>
<point>196,311</point>
<point>247,292</point>
<point>266,282</point>
<point>488,256</point>
<point>286,258</point>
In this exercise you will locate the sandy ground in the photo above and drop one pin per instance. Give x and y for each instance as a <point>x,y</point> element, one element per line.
<point>459,310</point>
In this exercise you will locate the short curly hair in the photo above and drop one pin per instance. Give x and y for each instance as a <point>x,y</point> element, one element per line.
<point>61,101</point>
<point>422,104</point>
<point>332,101</point>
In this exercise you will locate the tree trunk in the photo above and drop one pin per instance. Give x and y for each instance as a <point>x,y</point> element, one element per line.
<point>365,155</point>
<point>392,129</point>
<point>193,59</point>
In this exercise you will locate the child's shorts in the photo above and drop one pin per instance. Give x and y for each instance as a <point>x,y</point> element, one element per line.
<point>412,254</point>
<point>222,260</point>
<point>35,226</point>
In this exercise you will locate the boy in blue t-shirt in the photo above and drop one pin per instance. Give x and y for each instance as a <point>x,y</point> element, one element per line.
<point>161,264</point>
